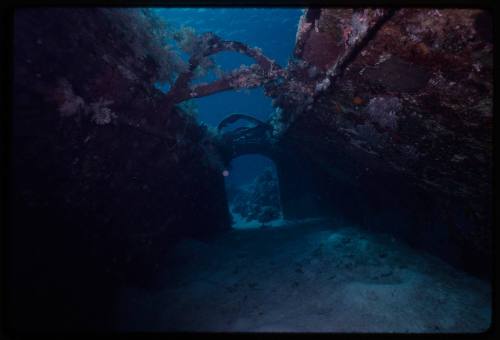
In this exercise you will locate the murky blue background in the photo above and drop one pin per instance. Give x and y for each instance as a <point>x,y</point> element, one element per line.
<point>271,29</point>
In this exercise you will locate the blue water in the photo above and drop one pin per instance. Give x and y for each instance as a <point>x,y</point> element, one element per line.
<point>271,29</point>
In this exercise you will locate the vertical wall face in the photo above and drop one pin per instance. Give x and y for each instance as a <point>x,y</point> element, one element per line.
<point>94,201</point>
<point>298,188</point>
<point>331,184</point>
<point>401,136</point>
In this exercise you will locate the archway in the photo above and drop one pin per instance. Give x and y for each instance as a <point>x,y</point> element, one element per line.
<point>298,187</point>
<point>253,193</point>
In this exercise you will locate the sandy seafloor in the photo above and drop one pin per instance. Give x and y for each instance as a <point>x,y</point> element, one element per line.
<point>308,276</point>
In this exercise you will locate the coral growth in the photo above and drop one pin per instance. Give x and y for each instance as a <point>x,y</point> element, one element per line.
<point>384,110</point>
<point>259,200</point>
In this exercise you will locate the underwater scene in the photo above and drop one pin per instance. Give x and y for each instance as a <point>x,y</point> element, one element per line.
<point>251,170</point>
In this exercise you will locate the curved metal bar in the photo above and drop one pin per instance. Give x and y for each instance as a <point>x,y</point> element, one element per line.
<point>213,44</point>
<point>233,118</point>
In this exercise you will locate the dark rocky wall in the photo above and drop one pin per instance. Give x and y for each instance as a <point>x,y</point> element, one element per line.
<point>97,193</point>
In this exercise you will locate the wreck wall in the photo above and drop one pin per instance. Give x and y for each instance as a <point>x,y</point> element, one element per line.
<point>97,194</point>
<point>402,137</point>
<point>298,189</point>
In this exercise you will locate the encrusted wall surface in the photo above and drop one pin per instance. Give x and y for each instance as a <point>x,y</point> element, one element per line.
<point>411,112</point>
<point>97,194</point>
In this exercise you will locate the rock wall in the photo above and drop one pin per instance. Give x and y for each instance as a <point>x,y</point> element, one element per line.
<point>99,190</point>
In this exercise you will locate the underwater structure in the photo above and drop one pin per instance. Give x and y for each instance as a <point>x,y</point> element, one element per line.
<point>382,116</point>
